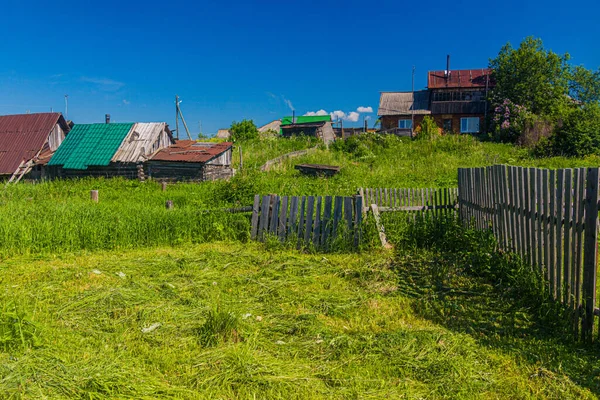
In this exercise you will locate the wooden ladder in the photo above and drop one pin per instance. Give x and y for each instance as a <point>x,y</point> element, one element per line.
<point>22,170</point>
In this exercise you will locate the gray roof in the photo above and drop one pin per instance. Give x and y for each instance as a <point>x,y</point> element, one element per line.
<point>271,126</point>
<point>402,103</point>
<point>143,139</point>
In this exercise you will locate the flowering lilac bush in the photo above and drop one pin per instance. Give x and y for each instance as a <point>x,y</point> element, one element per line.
<point>509,121</point>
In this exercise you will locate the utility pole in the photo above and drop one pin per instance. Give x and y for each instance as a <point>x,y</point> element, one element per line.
<point>412,114</point>
<point>67,107</point>
<point>177,115</point>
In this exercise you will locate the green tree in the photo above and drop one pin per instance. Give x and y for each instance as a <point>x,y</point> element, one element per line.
<point>532,77</point>
<point>243,130</point>
<point>585,85</point>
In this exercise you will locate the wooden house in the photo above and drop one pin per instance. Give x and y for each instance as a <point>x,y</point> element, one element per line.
<point>455,99</point>
<point>188,160</point>
<point>110,149</point>
<point>27,141</point>
<point>398,109</point>
<point>318,126</point>
<point>458,99</point>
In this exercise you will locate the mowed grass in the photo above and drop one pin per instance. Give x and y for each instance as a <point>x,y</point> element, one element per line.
<point>229,320</point>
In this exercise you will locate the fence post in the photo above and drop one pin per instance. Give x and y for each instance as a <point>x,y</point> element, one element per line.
<point>590,252</point>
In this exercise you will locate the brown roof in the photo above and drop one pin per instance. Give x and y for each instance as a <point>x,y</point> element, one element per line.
<point>191,151</point>
<point>463,78</point>
<point>404,103</point>
<point>22,136</point>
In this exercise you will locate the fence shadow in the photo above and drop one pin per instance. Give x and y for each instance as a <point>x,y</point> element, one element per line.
<point>495,316</point>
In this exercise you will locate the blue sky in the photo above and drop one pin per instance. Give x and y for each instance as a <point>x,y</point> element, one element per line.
<point>252,59</point>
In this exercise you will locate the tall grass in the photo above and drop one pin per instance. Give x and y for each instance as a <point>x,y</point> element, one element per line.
<point>58,216</point>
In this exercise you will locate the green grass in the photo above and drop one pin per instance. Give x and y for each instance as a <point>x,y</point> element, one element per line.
<point>58,216</point>
<point>227,320</point>
<point>125,299</point>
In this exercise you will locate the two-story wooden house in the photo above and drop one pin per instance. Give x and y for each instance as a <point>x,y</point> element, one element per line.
<point>458,99</point>
<point>455,99</point>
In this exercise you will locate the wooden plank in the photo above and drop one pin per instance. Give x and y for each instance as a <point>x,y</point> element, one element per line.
<point>528,221</point>
<point>255,215</point>
<point>378,202</point>
<point>560,206</point>
<point>337,215</point>
<point>520,212</point>
<point>348,213</point>
<point>546,229</point>
<point>301,222</point>
<point>511,193</point>
<point>590,249</point>
<point>579,248</point>
<point>568,212</point>
<point>264,217</point>
<point>326,225</point>
<point>552,232</point>
<point>574,223</point>
<point>540,211</point>
<point>380,228</point>
<point>317,230</point>
<point>358,205</point>
<point>387,197</point>
<point>310,210</point>
<point>505,206</point>
<point>274,215</point>
<point>533,210</point>
<point>282,228</point>
<point>293,220</point>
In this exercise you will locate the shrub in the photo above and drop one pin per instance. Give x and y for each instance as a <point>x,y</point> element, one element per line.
<point>428,129</point>
<point>244,130</point>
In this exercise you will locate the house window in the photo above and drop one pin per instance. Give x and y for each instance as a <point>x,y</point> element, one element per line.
<point>404,124</point>
<point>447,125</point>
<point>469,125</point>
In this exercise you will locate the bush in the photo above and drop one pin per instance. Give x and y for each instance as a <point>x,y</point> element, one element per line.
<point>579,134</point>
<point>428,129</point>
<point>244,130</point>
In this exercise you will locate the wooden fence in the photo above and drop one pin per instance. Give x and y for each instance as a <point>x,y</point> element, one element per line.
<point>406,199</point>
<point>310,220</point>
<point>549,218</point>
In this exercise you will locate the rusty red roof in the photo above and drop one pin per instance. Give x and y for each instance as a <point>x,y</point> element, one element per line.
<point>463,78</point>
<point>191,151</point>
<point>23,136</point>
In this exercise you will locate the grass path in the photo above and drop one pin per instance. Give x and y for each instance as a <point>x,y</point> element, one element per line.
<point>230,320</point>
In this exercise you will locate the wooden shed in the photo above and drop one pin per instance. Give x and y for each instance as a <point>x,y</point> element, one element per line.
<point>110,149</point>
<point>27,141</point>
<point>188,160</point>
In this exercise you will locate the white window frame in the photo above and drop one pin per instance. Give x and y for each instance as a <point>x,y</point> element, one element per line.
<point>406,122</point>
<point>469,125</point>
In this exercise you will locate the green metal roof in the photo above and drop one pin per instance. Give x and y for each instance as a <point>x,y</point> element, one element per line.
<point>90,145</point>
<point>306,119</point>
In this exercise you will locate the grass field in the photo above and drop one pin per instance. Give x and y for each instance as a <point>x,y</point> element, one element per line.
<point>125,299</point>
<point>226,320</point>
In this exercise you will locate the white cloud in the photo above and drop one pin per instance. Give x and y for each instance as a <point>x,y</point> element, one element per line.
<point>367,118</point>
<point>362,109</point>
<point>352,116</point>
<point>126,102</point>
<point>338,115</point>
<point>314,113</point>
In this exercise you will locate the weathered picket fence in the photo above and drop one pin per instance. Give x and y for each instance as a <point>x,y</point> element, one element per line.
<point>409,199</point>
<point>310,220</point>
<point>548,217</point>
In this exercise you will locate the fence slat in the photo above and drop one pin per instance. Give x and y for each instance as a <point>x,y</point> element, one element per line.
<point>538,219</point>
<point>274,215</point>
<point>567,235</point>
<point>337,215</point>
<point>546,229</point>
<point>560,206</point>
<point>255,215</point>
<point>552,234</point>
<point>348,212</point>
<point>282,228</point>
<point>590,258</point>
<point>301,222</point>
<point>264,217</point>
<point>358,206</point>
<point>326,224</point>
<point>293,225</point>
<point>310,210</point>
<point>317,229</point>
<point>579,248</point>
